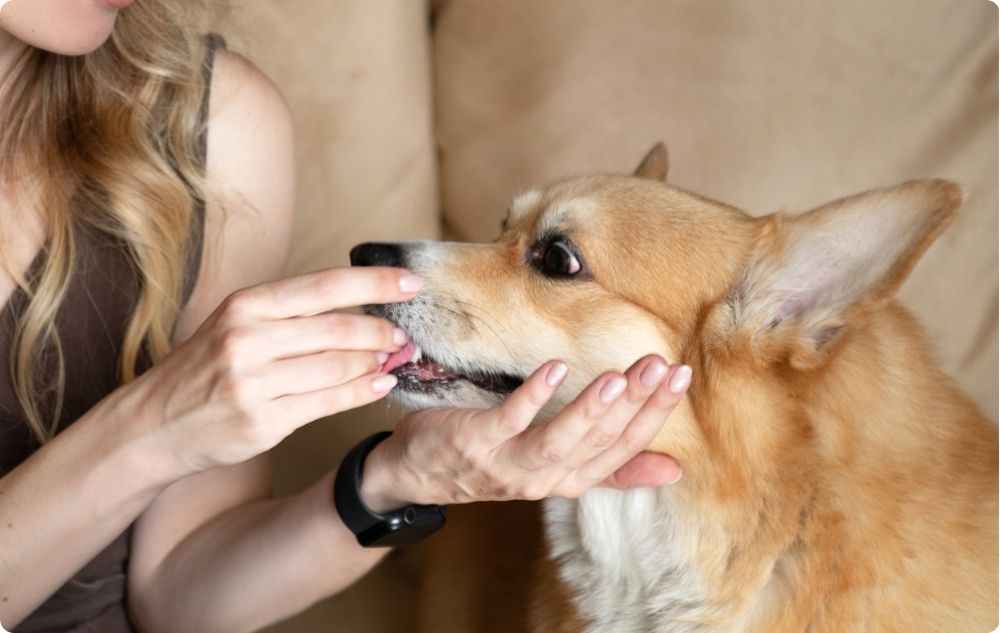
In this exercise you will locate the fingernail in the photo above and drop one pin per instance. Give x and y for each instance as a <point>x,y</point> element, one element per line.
<point>612,389</point>
<point>555,375</point>
<point>680,475</point>
<point>381,357</point>
<point>653,373</point>
<point>680,380</point>
<point>384,383</point>
<point>399,337</point>
<point>410,283</point>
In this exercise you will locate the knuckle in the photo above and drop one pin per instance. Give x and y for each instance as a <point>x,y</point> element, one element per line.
<point>532,491</point>
<point>241,392</point>
<point>463,450</point>
<point>553,451</point>
<point>329,282</point>
<point>510,420</point>
<point>334,367</point>
<point>636,392</point>
<point>599,438</point>
<point>233,346</point>
<point>592,409</point>
<point>338,326</point>
<point>238,306</point>
<point>634,443</point>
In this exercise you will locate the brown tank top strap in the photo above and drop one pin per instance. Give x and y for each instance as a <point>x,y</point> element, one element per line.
<point>196,240</point>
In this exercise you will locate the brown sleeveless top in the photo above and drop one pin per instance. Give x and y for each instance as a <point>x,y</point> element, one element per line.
<point>91,323</point>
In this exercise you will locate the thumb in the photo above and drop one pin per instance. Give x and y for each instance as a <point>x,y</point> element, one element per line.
<point>645,470</point>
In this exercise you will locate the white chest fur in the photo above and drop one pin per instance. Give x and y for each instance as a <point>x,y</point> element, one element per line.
<point>627,559</point>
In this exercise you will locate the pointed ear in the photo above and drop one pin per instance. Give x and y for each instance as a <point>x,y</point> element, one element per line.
<point>655,165</point>
<point>816,275</point>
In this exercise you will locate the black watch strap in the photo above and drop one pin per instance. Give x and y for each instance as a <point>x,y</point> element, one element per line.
<point>404,526</point>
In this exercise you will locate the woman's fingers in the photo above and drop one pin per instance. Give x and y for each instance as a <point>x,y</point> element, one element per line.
<point>319,292</point>
<point>645,470</point>
<point>300,409</point>
<point>596,419</point>
<point>322,332</point>
<point>521,407</point>
<point>641,430</point>
<point>317,371</point>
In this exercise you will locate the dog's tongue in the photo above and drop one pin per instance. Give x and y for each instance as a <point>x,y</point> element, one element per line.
<point>397,359</point>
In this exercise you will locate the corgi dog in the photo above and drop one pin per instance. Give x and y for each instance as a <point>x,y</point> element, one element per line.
<point>835,480</point>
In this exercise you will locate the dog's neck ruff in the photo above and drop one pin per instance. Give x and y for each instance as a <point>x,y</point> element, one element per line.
<point>626,558</point>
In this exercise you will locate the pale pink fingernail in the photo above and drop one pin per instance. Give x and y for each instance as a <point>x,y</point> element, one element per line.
<point>381,357</point>
<point>410,283</point>
<point>385,383</point>
<point>653,373</point>
<point>613,388</point>
<point>680,380</point>
<point>555,374</point>
<point>680,475</point>
<point>399,337</point>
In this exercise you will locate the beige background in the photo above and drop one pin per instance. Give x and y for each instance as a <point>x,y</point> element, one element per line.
<point>407,118</point>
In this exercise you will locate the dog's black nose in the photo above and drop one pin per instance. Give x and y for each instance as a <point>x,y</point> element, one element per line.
<point>377,254</point>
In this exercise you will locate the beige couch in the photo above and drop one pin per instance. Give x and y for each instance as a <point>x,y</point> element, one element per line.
<point>416,119</point>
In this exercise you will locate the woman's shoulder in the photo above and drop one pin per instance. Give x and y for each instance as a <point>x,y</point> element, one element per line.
<point>242,97</point>
<point>234,77</point>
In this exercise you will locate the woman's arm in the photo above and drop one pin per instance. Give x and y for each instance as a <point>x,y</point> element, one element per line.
<point>69,500</point>
<point>214,542</point>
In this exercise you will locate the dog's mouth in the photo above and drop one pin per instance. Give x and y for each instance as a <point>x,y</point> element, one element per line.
<point>419,372</point>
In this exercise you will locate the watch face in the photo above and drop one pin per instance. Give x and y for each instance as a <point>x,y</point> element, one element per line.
<point>404,527</point>
<point>385,536</point>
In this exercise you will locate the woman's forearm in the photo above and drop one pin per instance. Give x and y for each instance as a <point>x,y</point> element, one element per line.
<point>253,565</point>
<point>68,501</point>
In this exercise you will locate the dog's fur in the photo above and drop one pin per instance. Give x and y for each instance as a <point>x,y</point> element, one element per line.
<point>835,480</point>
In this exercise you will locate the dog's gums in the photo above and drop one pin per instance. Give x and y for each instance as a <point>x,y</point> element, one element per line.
<point>421,373</point>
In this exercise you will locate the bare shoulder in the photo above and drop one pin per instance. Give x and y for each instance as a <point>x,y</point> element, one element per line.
<point>251,178</point>
<point>242,95</point>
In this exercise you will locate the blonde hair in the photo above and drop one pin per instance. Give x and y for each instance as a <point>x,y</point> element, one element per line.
<point>116,136</point>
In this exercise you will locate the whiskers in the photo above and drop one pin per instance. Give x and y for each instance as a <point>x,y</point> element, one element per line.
<point>469,314</point>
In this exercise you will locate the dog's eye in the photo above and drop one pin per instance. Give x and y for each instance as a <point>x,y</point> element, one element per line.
<point>559,260</point>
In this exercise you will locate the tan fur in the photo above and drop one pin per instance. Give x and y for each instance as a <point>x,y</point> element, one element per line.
<point>836,479</point>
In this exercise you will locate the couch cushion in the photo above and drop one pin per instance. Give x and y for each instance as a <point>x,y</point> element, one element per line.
<point>358,80</point>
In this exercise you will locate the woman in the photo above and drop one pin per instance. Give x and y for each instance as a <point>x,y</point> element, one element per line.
<point>139,500</point>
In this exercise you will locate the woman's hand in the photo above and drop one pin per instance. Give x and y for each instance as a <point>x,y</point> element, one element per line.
<point>461,455</point>
<point>270,359</point>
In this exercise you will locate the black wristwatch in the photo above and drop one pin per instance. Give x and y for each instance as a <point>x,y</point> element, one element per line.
<point>404,526</point>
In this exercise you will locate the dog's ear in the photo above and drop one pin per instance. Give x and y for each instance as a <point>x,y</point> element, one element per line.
<point>654,166</point>
<point>816,275</point>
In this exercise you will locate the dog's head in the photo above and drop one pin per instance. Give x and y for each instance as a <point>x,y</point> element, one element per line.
<point>603,269</point>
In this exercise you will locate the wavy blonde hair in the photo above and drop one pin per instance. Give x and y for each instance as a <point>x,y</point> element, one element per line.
<point>116,134</point>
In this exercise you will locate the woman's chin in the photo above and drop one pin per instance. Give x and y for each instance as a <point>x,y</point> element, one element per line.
<point>72,28</point>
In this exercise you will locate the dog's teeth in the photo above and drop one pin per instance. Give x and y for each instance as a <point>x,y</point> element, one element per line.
<point>417,354</point>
